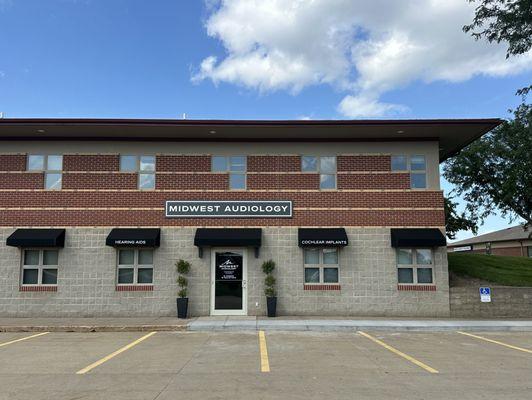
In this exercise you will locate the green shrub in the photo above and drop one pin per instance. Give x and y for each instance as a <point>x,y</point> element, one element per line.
<point>269,281</point>
<point>183,268</point>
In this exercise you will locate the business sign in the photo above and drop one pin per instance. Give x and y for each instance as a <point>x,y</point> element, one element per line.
<point>463,248</point>
<point>127,242</point>
<point>323,242</point>
<point>228,209</point>
<point>228,267</point>
<point>485,294</point>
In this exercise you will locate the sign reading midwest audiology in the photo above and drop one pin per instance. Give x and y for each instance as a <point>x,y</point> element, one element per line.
<point>232,209</point>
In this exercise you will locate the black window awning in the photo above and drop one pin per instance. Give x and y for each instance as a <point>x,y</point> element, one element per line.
<point>245,237</point>
<point>333,237</point>
<point>37,238</point>
<point>417,237</point>
<point>129,237</point>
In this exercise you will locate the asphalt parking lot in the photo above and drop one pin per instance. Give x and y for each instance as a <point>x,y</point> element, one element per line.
<point>265,365</point>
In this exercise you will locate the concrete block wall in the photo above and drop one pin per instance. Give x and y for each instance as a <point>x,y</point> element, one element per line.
<point>510,302</point>
<point>87,277</point>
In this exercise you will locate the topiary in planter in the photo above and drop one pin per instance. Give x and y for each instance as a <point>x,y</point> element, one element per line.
<point>183,268</point>
<point>269,287</point>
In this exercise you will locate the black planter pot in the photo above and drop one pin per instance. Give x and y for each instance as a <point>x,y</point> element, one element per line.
<point>271,304</point>
<point>182,307</point>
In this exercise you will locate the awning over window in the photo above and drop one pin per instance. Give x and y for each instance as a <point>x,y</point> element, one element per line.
<point>37,238</point>
<point>333,237</point>
<point>228,237</point>
<point>429,237</point>
<point>130,237</point>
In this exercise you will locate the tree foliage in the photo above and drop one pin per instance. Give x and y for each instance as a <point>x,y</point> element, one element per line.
<point>455,222</point>
<point>495,172</point>
<point>507,21</point>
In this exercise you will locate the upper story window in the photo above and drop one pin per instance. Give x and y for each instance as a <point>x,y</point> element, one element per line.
<point>321,265</point>
<point>414,266</point>
<point>39,267</point>
<point>236,166</point>
<point>143,165</point>
<point>51,165</point>
<point>417,166</point>
<point>325,166</point>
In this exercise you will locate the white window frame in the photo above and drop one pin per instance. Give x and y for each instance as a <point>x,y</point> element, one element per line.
<point>229,171</point>
<point>135,265</point>
<point>38,267</point>
<point>413,172</point>
<point>138,171</point>
<point>321,266</point>
<point>318,169</point>
<point>45,168</point>
<point>415,265</point>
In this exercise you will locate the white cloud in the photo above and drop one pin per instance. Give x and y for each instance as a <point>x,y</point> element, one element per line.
<point>364,48</point>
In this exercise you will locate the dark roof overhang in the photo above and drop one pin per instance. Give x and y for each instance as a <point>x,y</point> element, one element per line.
<point>452,134</point>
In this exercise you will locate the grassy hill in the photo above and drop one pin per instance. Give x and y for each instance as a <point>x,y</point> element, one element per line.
<point>506,271</point>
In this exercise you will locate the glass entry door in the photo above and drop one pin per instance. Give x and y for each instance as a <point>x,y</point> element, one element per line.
<point>228,294</point>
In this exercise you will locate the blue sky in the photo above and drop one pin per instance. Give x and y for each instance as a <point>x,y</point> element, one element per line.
<point>262,60</point>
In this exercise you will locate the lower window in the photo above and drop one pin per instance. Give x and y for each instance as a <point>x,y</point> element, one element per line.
<point>135,266</point>
<point>414,266</point>
<point>39,267</point>
<point>321,265</point>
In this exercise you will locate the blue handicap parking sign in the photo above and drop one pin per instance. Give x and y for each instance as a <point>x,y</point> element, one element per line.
<point>485,291</point>
<point>485,294</point>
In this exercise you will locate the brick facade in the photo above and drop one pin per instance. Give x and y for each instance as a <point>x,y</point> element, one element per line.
<point>96,197</point>
<point>95,192</point>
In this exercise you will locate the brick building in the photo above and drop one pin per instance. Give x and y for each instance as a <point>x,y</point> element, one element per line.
<point>95,213</point>
<point>514,241</point>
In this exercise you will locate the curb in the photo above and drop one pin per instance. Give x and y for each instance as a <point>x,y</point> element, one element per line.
<point>91,328</point>
<point>352,327</point>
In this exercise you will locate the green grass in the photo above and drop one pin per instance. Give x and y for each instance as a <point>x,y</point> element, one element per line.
<point>507,271</point>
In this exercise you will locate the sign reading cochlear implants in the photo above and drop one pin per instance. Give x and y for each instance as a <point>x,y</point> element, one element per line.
<point>233,209</point>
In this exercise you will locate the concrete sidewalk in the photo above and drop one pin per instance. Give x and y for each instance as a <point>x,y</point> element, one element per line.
<point>93,324</point>
<point>351,324</point>
<point>321,324</point>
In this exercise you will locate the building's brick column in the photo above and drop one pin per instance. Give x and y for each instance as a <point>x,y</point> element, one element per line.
<point>183,163</point>
<point>283,181</point>
<point>274,163</point>
<point>12,162</point>
<point>218,181</point>
<point>123,180</point>
<point>91,162</point>
<point>363,163</point>
<point>374,181</point>
<point>23,180</point>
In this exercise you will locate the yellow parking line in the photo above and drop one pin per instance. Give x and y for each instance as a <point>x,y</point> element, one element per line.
<point>264,362</point>
<point>24,338</point>
<point>495,341</point>
<point>113,354</point>
<point>399,353</point>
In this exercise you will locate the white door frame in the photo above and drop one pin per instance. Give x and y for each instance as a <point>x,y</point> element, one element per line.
<point>243,251</point>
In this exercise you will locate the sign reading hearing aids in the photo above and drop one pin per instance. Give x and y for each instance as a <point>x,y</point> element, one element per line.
<point>228,209</point>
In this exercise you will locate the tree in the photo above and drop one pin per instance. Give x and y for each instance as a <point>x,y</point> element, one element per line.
<point>507,21</point>
<point>495,172</point>
<point>455,222</point>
